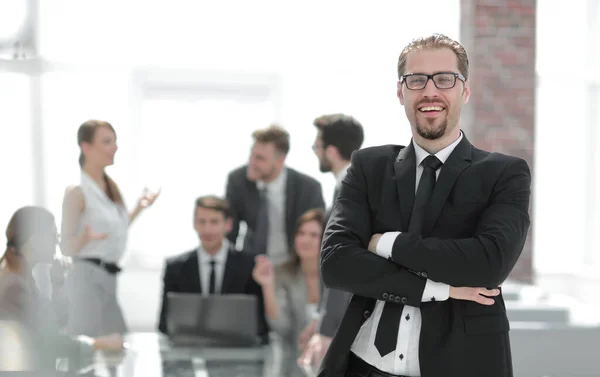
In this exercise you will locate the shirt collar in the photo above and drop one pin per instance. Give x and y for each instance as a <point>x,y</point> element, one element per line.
<point>421,154</point>
<point>276,185</point>
<point>339,177</point>
<point>219,257</point>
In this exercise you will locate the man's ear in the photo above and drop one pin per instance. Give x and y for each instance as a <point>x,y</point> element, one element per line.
<point>228,225</point>
<point>399,92</point>
<point>466,92</point>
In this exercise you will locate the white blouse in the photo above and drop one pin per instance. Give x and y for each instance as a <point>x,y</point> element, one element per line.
<point>103,216</point>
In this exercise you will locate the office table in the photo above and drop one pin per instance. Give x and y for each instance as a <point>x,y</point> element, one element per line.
<point>152,355</point>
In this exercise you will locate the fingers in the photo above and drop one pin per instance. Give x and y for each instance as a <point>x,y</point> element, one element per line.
<point>307,355</point>
<point>488,292</point>
<point>484,296</point>
<point>260,258</point>
<point>484,300</point>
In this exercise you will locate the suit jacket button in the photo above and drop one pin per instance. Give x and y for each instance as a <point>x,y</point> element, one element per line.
<point>424,274</point>
<point>404,300</point>
<point>397,299</point>
<point>366,314</point>
<point>385,296</point>
<point>391,298</point>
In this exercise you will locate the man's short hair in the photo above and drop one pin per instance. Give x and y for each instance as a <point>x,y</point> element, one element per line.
<point>276,135</point>
<point>342,131</point>
<point>432,42</point>
<point>215,203</point>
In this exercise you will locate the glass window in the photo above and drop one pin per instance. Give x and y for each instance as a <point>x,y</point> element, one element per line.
<point>16,139</point>
<point>595,189</point>
<point>69,99</point>
<point>187,147</point>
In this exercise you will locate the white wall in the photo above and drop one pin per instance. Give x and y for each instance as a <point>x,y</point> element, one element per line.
<point>567,173</point>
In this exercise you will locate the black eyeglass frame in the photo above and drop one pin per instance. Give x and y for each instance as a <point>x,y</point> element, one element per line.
<point>431,77</point>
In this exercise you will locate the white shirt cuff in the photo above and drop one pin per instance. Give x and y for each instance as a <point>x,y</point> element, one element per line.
<point>385,244</point>
<point>435,291</point>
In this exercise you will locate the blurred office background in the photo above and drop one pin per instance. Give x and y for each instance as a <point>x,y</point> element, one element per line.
<point>185,83</point>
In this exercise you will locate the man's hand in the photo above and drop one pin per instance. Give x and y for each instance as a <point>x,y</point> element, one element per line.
<point>373,243</point>
<point>315,351</point>
<point>474,294</point>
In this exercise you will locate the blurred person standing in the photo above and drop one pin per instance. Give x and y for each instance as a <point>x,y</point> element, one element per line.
<point>94,230</point>
<point>26,314</point>
<point>338,136</point>
<point>269,196</point>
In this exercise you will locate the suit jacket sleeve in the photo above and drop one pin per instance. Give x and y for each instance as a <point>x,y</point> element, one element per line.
<point>316,197</point>
<point>232,194</point>
<point>284,324</point>
<point>169,285</point>
<point>346,264</point>
<point>486,259</point>
<point>254,289</point>
<point>334,307</point>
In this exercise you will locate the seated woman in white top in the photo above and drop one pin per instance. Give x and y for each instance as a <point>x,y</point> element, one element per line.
<point>94,230</point>
<point>32,239</point>
<point>291,291</point>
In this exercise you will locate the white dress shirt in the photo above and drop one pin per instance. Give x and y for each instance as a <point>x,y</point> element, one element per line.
<point>339,177</point>
<point>204,259</point>
<point>405,359</point>
<point>277,244</point>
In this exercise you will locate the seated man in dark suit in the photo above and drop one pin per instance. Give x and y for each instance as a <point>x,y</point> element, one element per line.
<point>214,267</point>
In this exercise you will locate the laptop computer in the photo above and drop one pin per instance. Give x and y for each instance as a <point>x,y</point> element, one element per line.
<point>229,320</point>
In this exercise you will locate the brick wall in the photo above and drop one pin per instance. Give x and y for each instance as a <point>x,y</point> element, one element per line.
<point>499,36</point>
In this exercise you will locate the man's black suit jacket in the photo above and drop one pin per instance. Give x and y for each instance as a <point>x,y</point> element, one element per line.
<point>182,274</point>
<point>475,228</point>
<point>332,305</point>
<point>301,194</point>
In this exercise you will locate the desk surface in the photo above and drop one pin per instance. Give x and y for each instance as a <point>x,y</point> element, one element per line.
<point>151,355</point>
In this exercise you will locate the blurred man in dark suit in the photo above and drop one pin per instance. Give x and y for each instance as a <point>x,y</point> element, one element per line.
<point>269,196</point>
<point>338,136</point>
<point>215,267</point>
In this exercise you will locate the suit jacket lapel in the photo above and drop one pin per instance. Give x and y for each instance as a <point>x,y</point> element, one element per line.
<point>459,160</point>
<point>290,195</point>
<point>229,273</point>
<point>405,169</point>
<point>191,273</point>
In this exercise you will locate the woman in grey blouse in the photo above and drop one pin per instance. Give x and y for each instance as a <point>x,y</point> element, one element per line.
<point>31,239</point>
<point>291,290</point>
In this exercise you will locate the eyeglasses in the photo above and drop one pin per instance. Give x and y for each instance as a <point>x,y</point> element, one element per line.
<point>441,80</point>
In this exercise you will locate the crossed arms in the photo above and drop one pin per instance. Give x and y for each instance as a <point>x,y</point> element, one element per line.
<point>484,260</point>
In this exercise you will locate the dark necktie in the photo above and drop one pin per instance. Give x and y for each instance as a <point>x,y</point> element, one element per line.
<point>387,330</point>
<point>211,280</point>
<point>262,224</point>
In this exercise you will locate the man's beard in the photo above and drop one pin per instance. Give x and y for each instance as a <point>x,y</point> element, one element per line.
<point>432,133</point>
<point>324,165</point>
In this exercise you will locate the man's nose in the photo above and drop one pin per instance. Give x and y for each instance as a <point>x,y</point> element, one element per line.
<point>430,89</point>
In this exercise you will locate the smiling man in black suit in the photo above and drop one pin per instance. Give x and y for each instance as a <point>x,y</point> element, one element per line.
<point>423,236</point>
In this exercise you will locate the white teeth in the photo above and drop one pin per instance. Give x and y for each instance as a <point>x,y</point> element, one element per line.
<point>431,108</point>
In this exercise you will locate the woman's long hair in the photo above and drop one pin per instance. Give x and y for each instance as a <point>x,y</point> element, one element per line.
<point>86,134</point>
<point>318,215</point>
<point>23,224</point>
